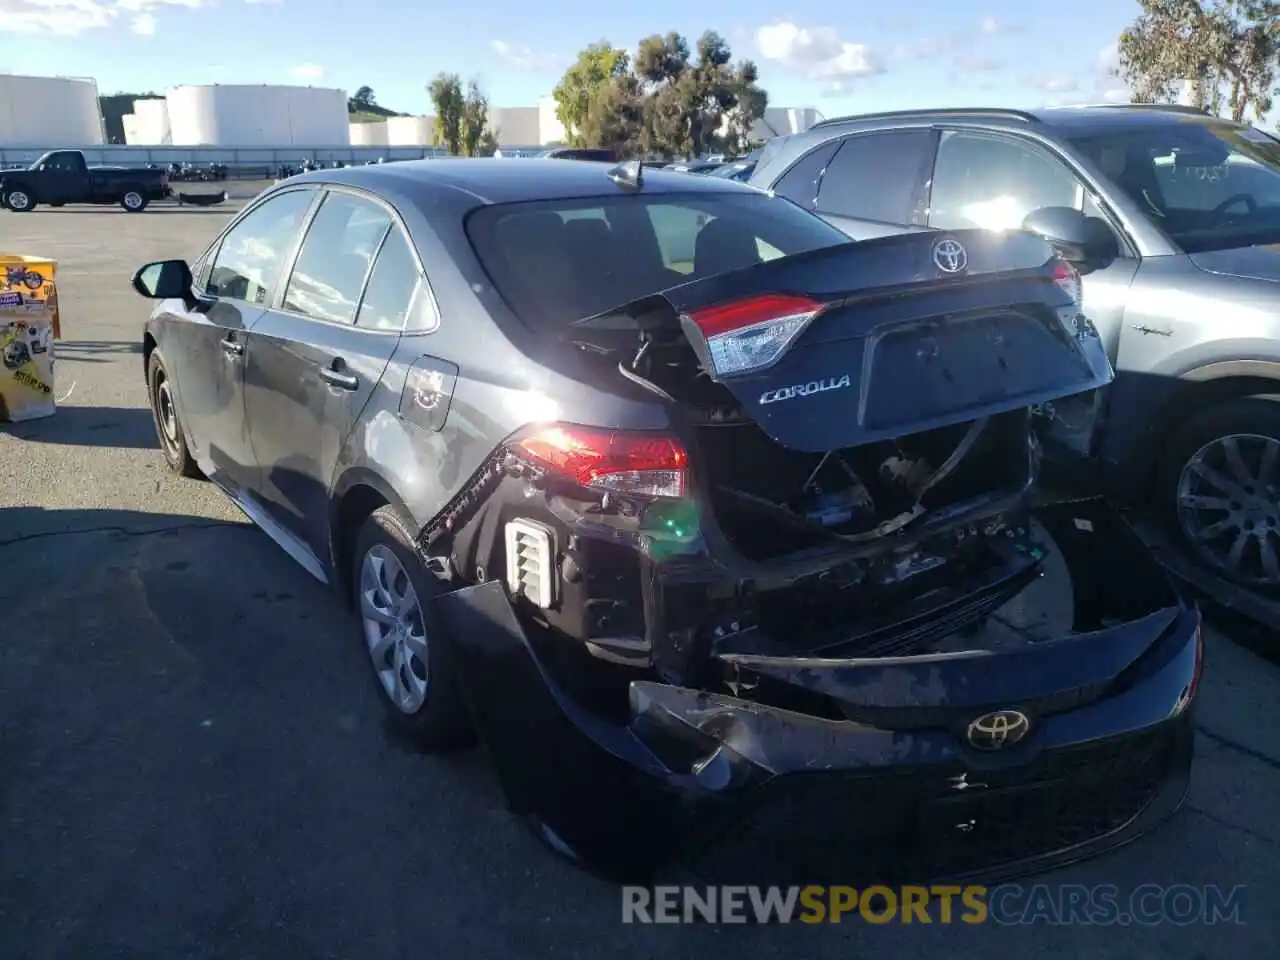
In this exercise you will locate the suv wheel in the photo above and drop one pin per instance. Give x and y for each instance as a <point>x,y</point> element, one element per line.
<point>133,202</point>
<point>411,658</point>
<point>1222,477</point>
<point>173,439</point>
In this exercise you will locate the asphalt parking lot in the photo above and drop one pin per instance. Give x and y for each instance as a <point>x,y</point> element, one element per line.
<point>193,762</point>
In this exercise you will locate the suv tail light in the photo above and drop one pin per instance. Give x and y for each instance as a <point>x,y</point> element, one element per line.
<point>642,464</point>
<point>743,336</point>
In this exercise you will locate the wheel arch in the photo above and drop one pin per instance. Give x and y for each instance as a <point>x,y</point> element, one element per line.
<point>356,495</point>
<point>1194,392</point>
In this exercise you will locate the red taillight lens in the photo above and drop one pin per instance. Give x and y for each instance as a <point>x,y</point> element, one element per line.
<point>750,334</point>
<point>1067,280</point>
<point>629,463</point>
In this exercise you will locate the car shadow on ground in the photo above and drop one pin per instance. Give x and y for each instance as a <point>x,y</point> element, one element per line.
<point>95,351</point>
<point>128,427</point>
<point>164,206</point>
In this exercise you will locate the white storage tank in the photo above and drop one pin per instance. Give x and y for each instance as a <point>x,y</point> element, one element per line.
<point>152,122</point>
<point>516,126</point>
<point>411,131</point>
<point>550,129</point>
<point>49,112</point>
<point>369,134</point>
<point>233,115</point>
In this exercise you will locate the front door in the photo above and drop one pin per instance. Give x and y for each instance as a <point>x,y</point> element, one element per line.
<point>205,347</point>
<point>315,358</point>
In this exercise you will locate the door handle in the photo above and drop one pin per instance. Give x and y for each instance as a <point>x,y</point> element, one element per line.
<point>231,347</point>
<point>336,377</point>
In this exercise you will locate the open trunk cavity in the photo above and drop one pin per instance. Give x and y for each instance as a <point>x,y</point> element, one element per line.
<point>771,501</point>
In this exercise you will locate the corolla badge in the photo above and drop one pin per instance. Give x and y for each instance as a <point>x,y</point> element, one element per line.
<point>950,256</point>
<point>805,389</point>
<point>998,730</point>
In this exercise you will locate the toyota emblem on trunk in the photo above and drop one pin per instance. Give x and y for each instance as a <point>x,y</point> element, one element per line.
<point>949,256</point>
<point>995,731</point>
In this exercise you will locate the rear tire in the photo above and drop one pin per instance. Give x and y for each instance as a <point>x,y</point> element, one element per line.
<point>1219,482</point>
<point>164,412</point>
<point>412,658</point>
<point>133,202</point>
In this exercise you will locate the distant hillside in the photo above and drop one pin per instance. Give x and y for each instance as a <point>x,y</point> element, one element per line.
<point>371,113</point>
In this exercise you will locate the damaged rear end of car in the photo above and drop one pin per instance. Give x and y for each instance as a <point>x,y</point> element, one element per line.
<point>799,632</point>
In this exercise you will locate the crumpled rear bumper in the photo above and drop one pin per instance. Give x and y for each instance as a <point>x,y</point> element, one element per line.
<point>742,792</point>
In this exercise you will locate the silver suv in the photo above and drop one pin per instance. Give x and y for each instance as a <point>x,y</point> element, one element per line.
<point>1177,217</point>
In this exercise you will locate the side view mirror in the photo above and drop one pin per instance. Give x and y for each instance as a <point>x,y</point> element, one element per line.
<point>1084,242</point>
<point>164,280</point>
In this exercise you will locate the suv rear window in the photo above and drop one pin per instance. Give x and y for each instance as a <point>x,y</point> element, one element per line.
<point>558,261</point>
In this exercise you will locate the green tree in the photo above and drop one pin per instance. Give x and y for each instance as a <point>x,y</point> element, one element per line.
<point>596,68</point>
<point>1229,50</point>
<point>362,100</point>
<point>475,120</point>
<point>450,105</point>
<point>615,117</point>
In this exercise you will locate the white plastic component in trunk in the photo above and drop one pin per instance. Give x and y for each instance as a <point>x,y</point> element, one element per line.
<point>530,562</point>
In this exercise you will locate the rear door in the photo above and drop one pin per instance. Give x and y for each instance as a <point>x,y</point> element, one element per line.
<point>317,356</point>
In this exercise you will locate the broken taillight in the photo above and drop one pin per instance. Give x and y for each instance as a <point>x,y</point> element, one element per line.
<point>1067,279</point>
<point>746,335</point>
<point>650,465</point>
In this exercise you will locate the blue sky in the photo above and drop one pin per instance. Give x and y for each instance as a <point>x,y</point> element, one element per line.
<point>839,57</point>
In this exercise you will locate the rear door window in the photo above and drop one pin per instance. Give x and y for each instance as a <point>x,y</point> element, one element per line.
<point>554,262</point>
<point>878,176</point>
<point>335,258</point>
<point>800,183</point>
<point>249,258</point>
<point>392,285</point>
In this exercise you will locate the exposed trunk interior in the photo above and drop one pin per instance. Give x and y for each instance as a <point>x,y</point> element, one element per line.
<point>770,501</point>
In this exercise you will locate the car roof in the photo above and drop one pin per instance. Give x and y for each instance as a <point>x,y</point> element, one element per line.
<point>1070,121</point>
<point>495,180</point>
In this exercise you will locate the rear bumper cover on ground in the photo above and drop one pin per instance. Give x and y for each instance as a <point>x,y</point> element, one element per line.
<point>741,792</point>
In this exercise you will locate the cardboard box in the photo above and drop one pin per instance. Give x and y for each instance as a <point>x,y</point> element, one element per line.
<point>28,327</point>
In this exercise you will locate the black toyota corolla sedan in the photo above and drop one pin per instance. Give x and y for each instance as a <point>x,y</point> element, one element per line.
<point>715,528</point>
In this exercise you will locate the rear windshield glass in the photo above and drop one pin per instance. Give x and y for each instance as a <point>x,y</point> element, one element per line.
<point>563,260</point>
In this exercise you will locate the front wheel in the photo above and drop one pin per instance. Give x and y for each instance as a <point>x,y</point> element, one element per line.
<point>164,411</point>
<point>1221,476</point>
<point>133,202</point>
<point>19,201</point>
<point>411,658</point>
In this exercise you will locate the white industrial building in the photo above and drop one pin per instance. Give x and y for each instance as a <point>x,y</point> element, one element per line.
<point>410,131</point>
<point>149,123</point>
<point>48,111</point>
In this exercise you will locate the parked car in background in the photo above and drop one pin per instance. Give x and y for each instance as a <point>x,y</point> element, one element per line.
<point>598,154</point>
<point>696,543</point>
<point>695,166</point>
<point>1178,215</point>
<point>62,176</point>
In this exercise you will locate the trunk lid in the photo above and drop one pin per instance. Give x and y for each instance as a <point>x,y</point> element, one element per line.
<point>884,337</point>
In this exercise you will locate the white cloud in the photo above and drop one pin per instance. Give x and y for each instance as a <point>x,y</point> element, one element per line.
<point>978,64</point>
<point>1059,85</point>
<point>307,71</point>
<point>820,53</point>
<point>993,27</point>
<point>73,17</point>
<point>526,58</point>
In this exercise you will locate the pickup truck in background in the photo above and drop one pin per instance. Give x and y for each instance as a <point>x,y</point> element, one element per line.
<point>62,176</point>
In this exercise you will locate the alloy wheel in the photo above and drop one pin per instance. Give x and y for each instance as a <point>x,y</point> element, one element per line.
<point>1229,507</point>
<point>19,201</point>
<point>133,201</point>
<point>166,413</point>
<point>394,629</point>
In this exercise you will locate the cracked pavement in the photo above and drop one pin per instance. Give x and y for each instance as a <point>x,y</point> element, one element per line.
<point>193,761</point>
